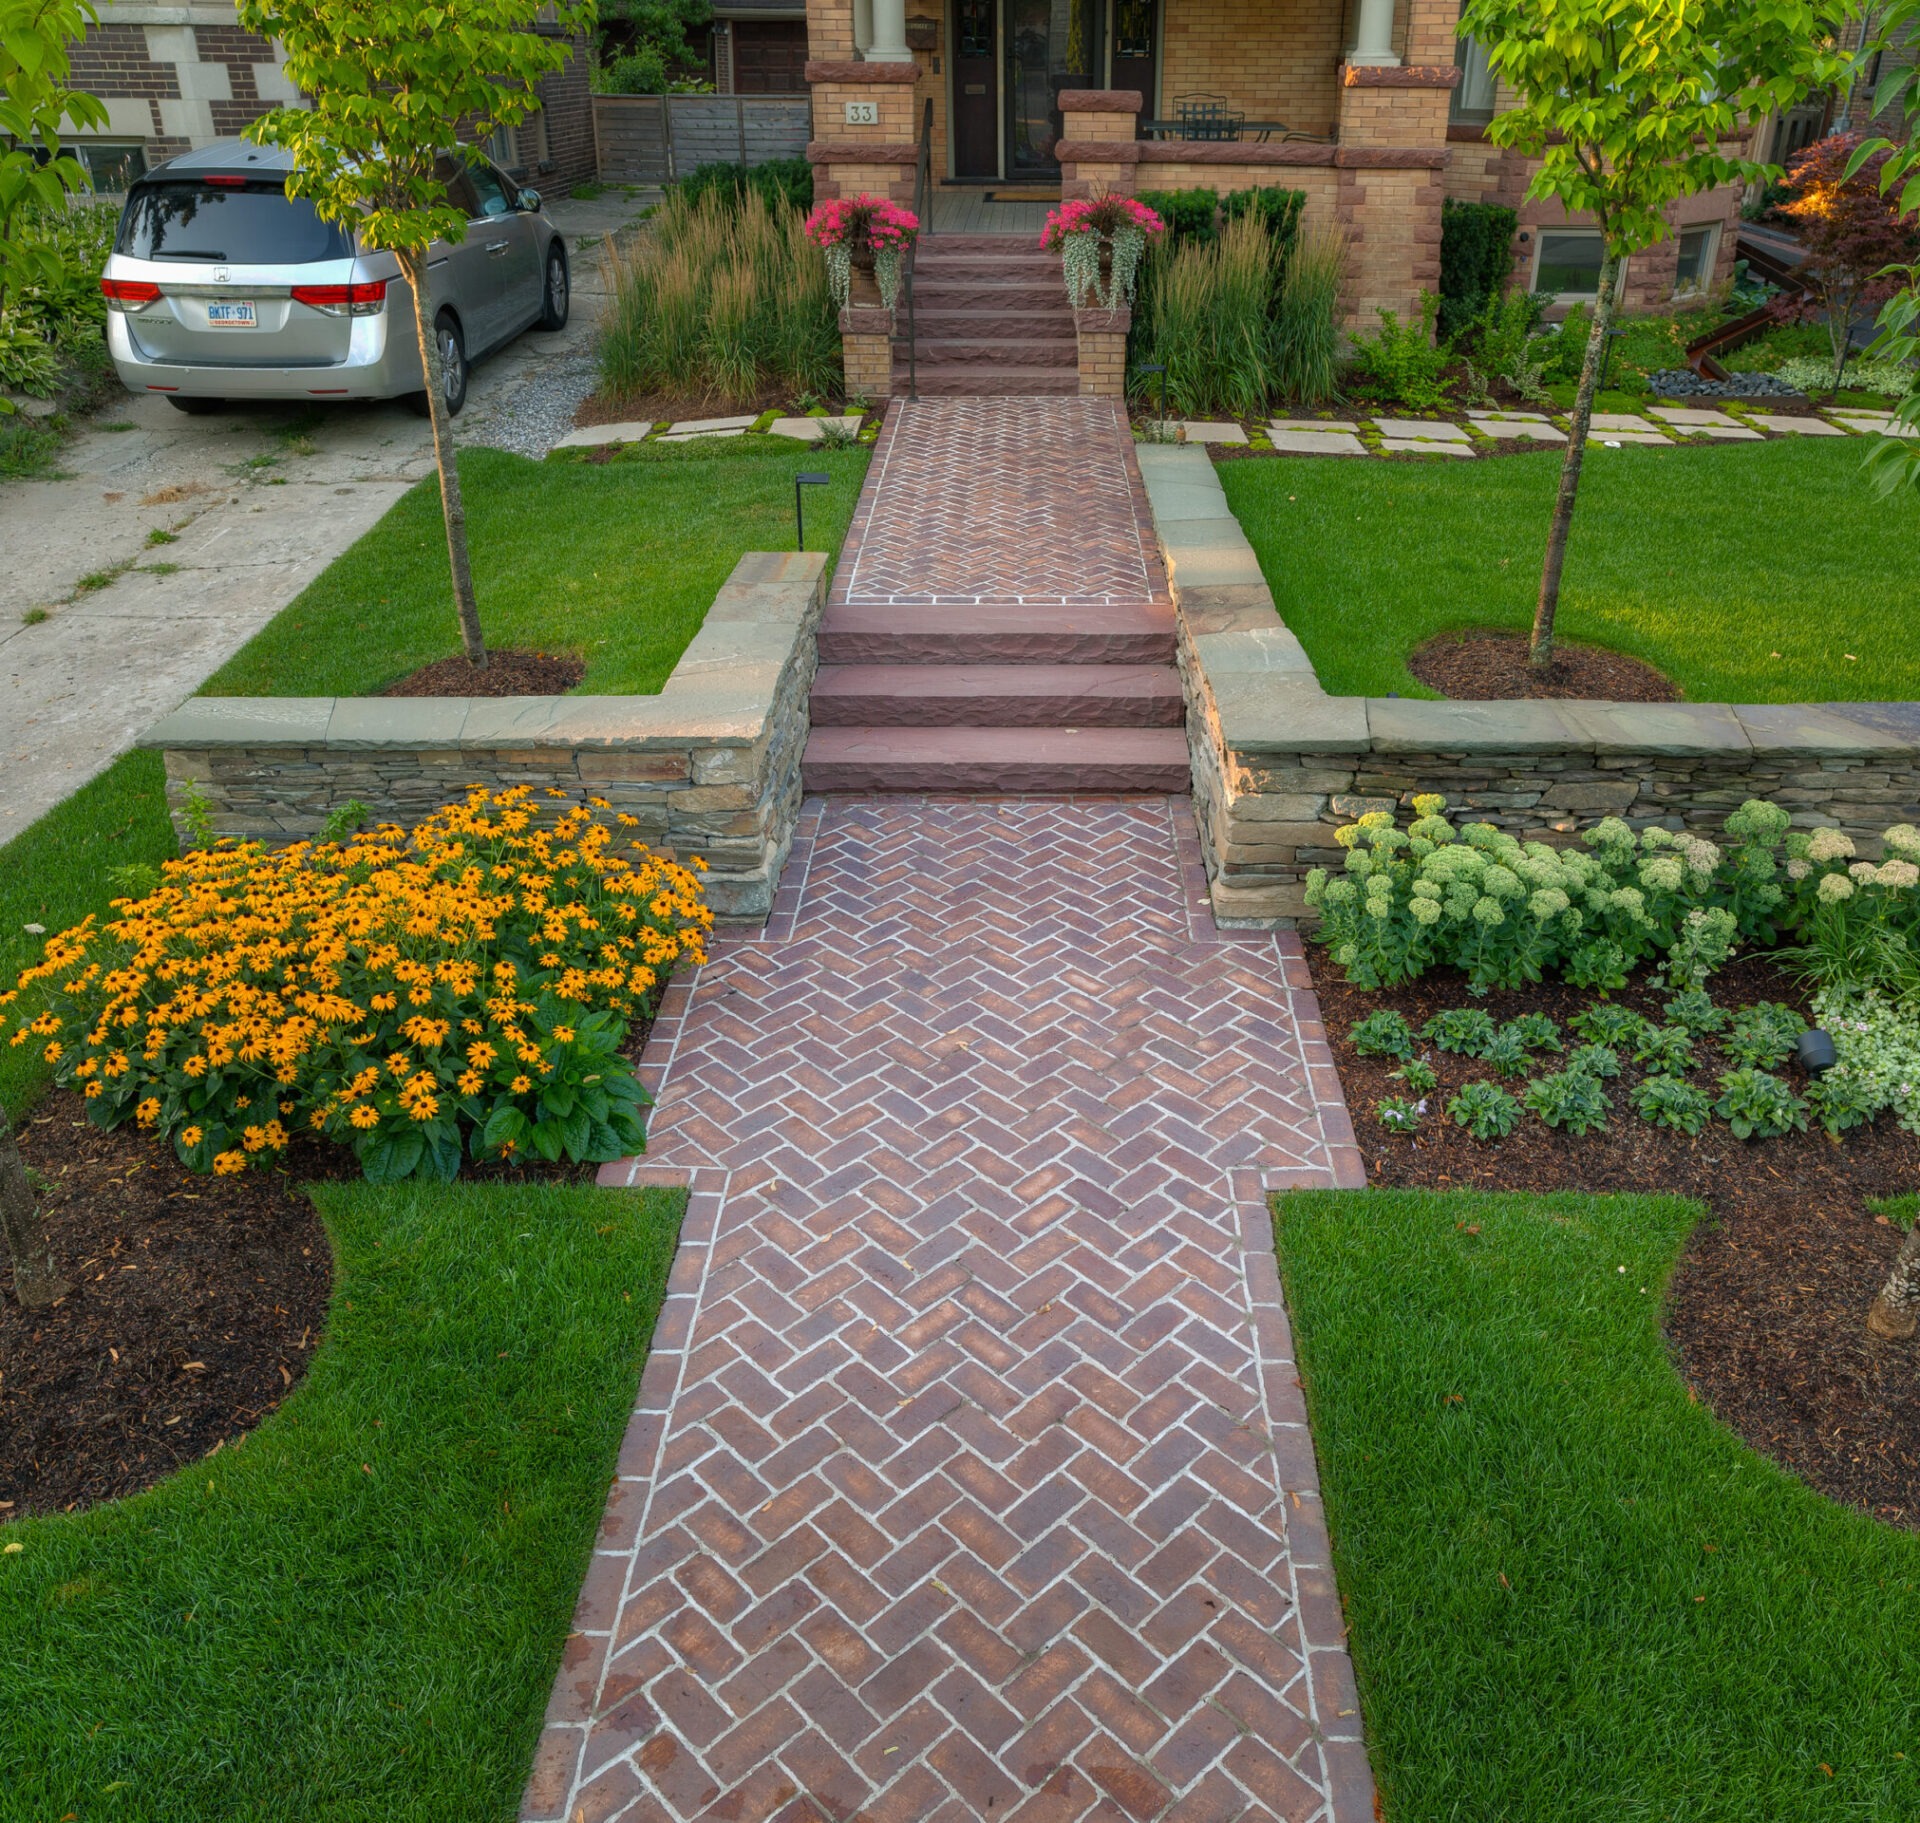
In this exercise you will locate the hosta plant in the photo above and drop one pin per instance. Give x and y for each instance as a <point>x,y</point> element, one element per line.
<point>1841,1102</point>
<point>1383,1034</point>
<point>461,990</point>
<point>1696,1010</point>
<point>1666,1101</point>
<point>1485,1109</point>
<point>1569,1099</point>
<point>1608,1023</point>
<point>1759,1106</point>
<point>1536,1031</point>
<point>1762,1034</point>
<point>1666,1050</point>
<point>1596,1060</point>
<point>1507,1052</point>
<point>1419,1076</point>
<point>1399,1115</point>
<point>1465,1030</point>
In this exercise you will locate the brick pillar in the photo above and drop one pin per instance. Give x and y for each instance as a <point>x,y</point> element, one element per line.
<point>1097,149</point>
<point>865,122</point>
<point>1102,335</point>
<point>866,350</point>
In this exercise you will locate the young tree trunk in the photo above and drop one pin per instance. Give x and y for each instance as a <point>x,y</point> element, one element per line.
<point>23,1230</point>
<point>1549,603</point>
<point>1894,1314</point>
<point>453,507</point>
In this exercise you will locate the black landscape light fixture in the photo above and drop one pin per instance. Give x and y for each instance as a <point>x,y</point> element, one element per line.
<point>1162,372</point>
<point>1815,1051</point>
<point>799,518</point>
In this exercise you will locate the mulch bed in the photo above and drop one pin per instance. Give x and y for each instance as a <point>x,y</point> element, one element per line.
<point>1767,1311</point>
<point>507,674</point>
<point>1494,667</point>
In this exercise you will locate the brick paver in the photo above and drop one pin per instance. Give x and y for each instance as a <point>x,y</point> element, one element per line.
<point>1011,501</point>
<point>970,1477</point>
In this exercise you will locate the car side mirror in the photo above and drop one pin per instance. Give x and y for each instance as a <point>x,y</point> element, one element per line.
<point>530,199</point>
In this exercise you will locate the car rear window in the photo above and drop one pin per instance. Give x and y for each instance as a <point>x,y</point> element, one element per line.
<point>253,224</point>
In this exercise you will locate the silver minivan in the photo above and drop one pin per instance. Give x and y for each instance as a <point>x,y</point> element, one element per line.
<point>221,286</point>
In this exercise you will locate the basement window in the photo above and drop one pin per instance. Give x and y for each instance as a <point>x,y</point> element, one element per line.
<point>1473,96</point>
<point>1694,273</point>
<point>1569,263</point>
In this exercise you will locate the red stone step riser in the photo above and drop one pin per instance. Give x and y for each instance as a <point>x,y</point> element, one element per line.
<point>986,382</point>
<point>986,324</point>
<point>1001,760</point>
<point>972,295</point>
<point>941,352</point>
<point>988,696</point>
<point>930,647</point>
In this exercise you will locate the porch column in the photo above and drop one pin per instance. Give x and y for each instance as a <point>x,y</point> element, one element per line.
<point>1373,41</point>
<point>862,26</point>
<point>890,33</point>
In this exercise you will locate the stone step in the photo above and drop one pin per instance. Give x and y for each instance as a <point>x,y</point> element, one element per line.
<point>945,243</point>
<point>985,294</point>
<point>998,696</point>
<point>996,633</point>
<point>938,353</point>
<point>981,324</point>
<point>978,381</point>
<point>997,760</point>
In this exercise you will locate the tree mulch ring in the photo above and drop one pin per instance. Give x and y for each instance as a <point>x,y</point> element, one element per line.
<point>1766,1313</point>
<point>1494,667</point>
<point>196,1306</point>
<point>506,674</point>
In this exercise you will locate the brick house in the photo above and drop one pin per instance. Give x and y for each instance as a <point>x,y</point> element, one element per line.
<point>176,76</point>
<point>759,47</point>
<point>1374,108</point>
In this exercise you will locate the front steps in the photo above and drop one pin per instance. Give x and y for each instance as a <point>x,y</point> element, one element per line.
<point>991,321</point>
<point>1003,761</point>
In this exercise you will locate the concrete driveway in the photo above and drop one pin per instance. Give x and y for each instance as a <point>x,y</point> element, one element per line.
<point>257,501</point>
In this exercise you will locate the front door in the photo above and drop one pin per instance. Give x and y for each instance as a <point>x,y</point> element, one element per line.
<point>976,99</point>
<point>1136,47</point>
<point>1050,45</point>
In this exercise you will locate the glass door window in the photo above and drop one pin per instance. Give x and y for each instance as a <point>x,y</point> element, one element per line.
<point>1050,45</point>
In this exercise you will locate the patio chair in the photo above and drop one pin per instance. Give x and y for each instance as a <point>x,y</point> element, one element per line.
<point>1206,116</point>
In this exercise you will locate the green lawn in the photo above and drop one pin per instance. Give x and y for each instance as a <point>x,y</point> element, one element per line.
<point>618,564</point>
<point>1747,573</point>
<point>1573,1596</point>
<point>358,1612</point>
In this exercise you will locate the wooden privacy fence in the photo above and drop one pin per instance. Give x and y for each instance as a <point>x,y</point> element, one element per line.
<point>647,139</point>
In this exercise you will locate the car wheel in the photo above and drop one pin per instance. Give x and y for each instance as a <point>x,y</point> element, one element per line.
<point>195,408</point>
<point>557,299</point>
<point>451,348</point>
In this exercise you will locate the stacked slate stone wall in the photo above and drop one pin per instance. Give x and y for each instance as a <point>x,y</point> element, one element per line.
<point>709,767</point>
<point>1279,765</point>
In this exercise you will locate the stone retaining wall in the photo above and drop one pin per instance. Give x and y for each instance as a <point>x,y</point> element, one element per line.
<point>1278,764</point>
<point>710,766</point>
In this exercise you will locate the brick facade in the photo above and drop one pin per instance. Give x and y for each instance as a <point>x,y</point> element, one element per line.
<point>178,76</point>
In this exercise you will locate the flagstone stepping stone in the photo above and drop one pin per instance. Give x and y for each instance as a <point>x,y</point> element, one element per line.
<point>811,430</point>
<point>1421,429</point>
<point>1203,431</point>
<point>1317,443</point>
<point>1796,427</point>
<point>1531,429</point>
<point>1509,417</point>
<point>688,427</point>
<point>593,436</point>
<point>1692,418</point>
<point>1413,446</point>
<point>1873,424</point>
<point>1611,421</point>
<point>1331,425</point>
<point>1602,439</point>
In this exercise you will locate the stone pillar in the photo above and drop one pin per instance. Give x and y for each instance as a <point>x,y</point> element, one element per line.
<point>1097,149</point>
<point>1373,41</point>
<point>862,26</point>
<point>889,32</point>
<point>1102,335</point>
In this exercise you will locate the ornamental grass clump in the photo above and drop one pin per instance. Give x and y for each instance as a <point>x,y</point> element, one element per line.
<point>462,990</point>
<point>1508,912</point>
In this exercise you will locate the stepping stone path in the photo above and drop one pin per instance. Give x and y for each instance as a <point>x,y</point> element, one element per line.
<point>1009,540</point>
<point>1529,425</point>
<point>811,430</point>
<point>1198,431</point>
<point>1316,436</point>
<point>970,1476</point>
<point>1789,425</point>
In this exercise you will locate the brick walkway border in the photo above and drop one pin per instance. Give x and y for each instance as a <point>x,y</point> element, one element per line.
<point>780,1622</point>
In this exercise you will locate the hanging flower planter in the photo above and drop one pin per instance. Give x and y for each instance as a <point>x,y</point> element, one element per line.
<point>864,234</point>
<point>1101,244</point>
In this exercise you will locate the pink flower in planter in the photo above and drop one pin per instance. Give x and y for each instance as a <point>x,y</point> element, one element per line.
<point>1103,215</point>
<point>849,221</point>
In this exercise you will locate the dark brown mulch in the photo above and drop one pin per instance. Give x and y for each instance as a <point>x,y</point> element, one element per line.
<point>196,1305</point>
<point>507,674</point>
<point>1494,667</point>
<point>1767,1311</point>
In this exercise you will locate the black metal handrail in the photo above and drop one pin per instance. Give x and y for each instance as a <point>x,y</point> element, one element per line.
<point>922,200</point>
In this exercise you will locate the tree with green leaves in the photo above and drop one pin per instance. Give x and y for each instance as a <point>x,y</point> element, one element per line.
<point>1896,462</point>
<point>391,83</point>
<point>38,106</point>
<point>1630,105</point>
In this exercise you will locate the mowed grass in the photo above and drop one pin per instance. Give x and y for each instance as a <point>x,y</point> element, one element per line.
<point>59,869</point>
<point>358,1612</point>
<point>1747,572</point>
<point>616,563</point>
<point>1573,1596</point>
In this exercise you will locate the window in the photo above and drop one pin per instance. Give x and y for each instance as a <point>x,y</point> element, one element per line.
<point>492,195</point>
<point>1695,269</point>
<point>250,223</point>
<point>1569,265</point>
<point>110,168</point>
<point>501,148</point>
<point>1473,99</point>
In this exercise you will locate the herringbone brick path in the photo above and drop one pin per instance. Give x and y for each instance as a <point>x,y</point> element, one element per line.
<point>971,1476</point>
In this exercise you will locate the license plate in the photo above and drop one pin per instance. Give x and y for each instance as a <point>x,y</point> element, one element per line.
<point>230,316</point>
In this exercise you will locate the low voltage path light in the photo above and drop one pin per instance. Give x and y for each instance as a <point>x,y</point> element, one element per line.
<point>1816,1052</point>
<point>1162,372</point>
<point>799,519</point>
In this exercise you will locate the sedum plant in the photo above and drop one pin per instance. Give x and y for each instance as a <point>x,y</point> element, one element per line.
<point>1857,921</point>
<point>1485,1109</point>
<point>1569,1099</point>
<point>1759,1106</point>
<point>1666,1101</point>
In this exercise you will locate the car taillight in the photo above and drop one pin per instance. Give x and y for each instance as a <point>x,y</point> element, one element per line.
<point>364,299</point>
<point>129,294</point>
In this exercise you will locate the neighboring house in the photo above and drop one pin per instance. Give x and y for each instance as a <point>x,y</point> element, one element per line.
<point>176,76</point>
<point>760,49</point>
<point>1371,107</point>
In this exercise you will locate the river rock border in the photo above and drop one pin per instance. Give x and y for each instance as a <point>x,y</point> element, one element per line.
<point>1278,764</point>
<point>709,767</point>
